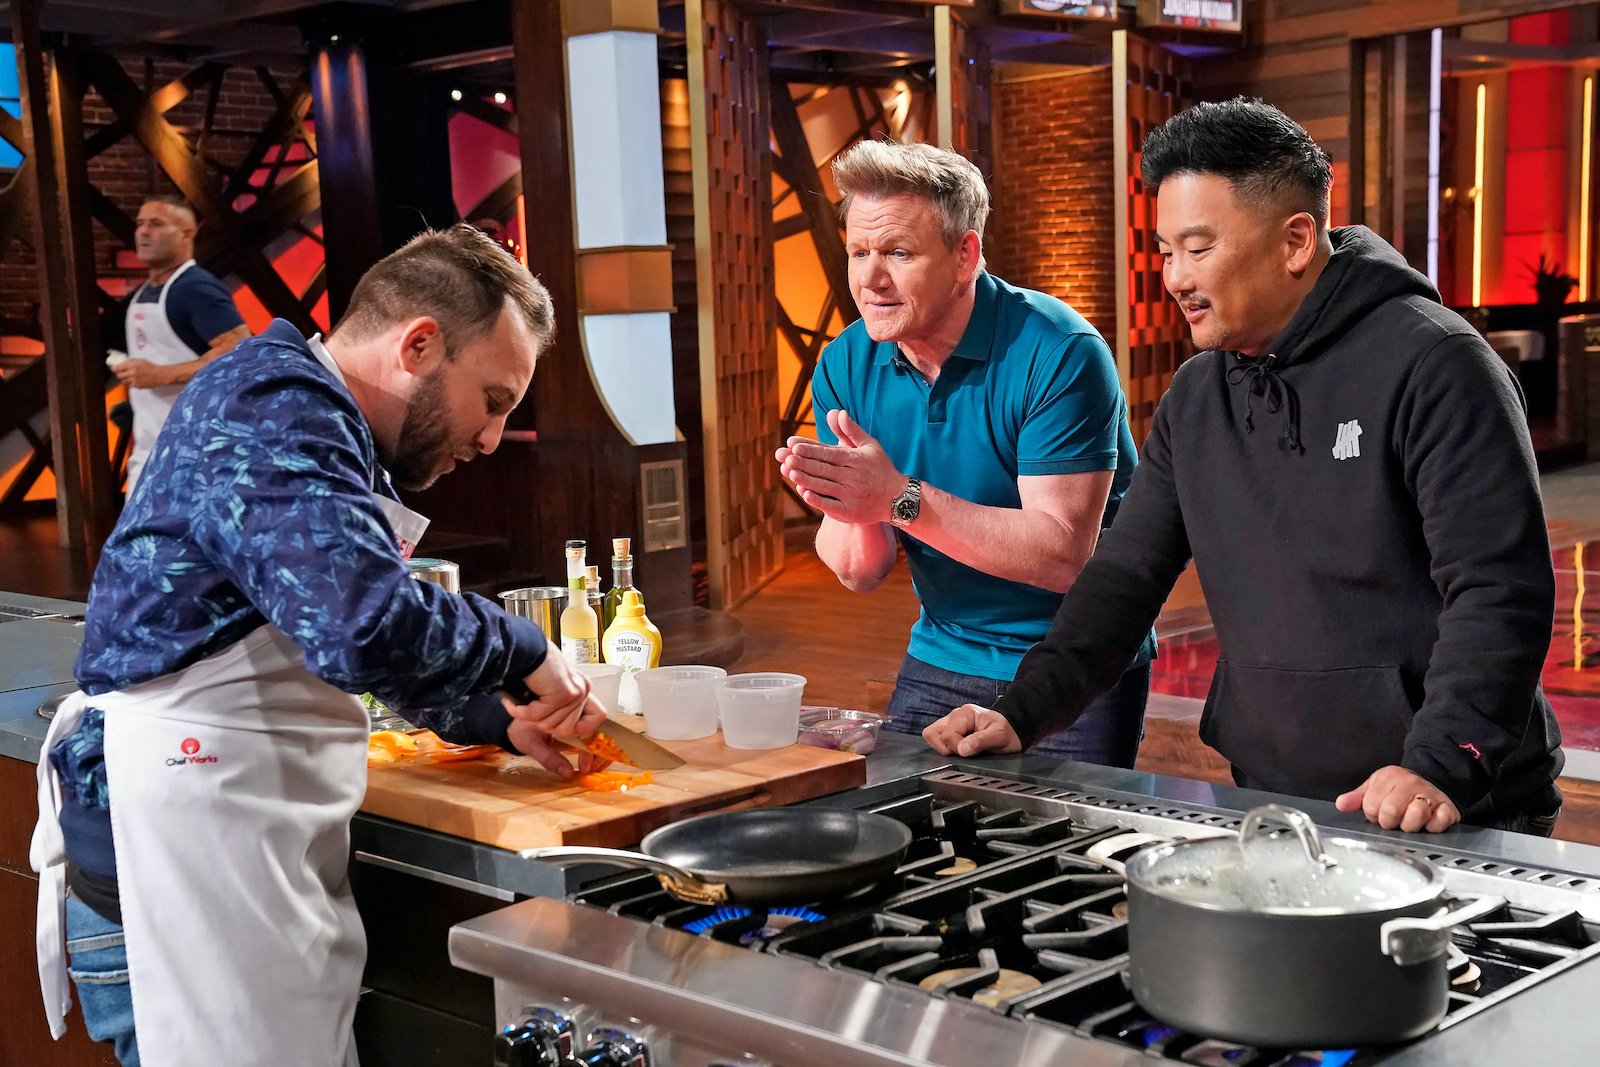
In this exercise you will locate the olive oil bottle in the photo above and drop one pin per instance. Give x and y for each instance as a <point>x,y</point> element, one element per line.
<point>621,578</point>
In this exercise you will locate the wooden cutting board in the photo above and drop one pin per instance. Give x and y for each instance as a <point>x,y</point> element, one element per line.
<point>512,802</point>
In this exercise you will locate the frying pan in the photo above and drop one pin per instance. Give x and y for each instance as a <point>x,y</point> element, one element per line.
<point>758,856</point>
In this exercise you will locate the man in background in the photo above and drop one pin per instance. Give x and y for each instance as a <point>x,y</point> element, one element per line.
<point>180,318</point>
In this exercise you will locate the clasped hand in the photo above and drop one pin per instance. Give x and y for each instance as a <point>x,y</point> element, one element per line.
<point>851,482</point>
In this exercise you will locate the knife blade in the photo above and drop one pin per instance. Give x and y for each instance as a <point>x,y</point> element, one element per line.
<point>637,750</point>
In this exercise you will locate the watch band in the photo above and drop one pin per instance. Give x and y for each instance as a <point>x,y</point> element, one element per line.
<point>904,509</point>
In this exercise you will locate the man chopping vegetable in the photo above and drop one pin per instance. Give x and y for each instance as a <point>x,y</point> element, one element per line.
<point>196,797</point>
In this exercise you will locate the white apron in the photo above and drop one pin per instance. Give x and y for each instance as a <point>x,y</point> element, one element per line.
<point>152,338</point>
<point>233,785</point>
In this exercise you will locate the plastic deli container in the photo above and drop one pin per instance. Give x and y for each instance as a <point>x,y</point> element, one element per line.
<point>841,729</point>
<point>760,710</point>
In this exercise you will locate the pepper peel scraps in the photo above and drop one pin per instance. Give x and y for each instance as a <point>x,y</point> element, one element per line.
<point>385,747</point>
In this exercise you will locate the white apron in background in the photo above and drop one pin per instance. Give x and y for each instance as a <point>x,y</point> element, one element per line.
<point>233,783</point>
<point>152,338</point>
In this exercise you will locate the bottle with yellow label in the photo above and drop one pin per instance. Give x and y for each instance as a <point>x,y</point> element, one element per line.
<point>633,643</point>
<point>580,626</point>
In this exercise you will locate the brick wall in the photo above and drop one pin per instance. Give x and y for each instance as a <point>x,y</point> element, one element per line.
<point>1053,191</point>
<point>126,173</point>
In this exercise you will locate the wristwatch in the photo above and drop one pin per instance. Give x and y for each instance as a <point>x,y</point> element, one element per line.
<point>904,509</point>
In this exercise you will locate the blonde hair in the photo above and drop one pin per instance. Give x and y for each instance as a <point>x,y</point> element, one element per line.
<point>949,181</point>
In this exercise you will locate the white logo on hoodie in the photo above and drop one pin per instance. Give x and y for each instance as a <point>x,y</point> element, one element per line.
<point>1348,443</point>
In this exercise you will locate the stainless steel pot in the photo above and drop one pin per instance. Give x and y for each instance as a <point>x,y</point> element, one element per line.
<point>541,603</point>
<point>1290,941</point>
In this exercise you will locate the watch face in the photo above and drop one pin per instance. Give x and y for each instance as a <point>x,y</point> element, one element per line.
<point>905,510</point>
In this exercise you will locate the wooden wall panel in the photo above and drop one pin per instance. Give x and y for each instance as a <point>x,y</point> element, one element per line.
<point>1150,84</point>
<point>731,122</point>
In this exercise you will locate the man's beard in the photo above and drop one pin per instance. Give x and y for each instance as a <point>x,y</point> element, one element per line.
<point>424,437</point>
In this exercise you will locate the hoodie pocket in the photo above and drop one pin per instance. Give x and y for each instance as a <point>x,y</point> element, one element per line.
<point>1307,733</point>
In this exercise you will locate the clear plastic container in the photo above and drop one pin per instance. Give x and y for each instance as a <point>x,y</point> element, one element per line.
<point>840,729</point>
<point>760,710</point>
<point>605,681</point>
<point>679,703</point>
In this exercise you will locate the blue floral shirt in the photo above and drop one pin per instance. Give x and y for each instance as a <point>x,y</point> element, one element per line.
<point>257,506</point>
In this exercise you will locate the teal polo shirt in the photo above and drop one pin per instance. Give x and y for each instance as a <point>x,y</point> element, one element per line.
<point>1031,389</point>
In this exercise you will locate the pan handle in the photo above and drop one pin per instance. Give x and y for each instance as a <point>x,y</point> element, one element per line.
<point>675,880</point>
<point>1102,852</point>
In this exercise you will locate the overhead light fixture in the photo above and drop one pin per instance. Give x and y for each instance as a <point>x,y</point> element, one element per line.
<point>1478,195</point>
<point>499,98</point>
<point>455,94</point>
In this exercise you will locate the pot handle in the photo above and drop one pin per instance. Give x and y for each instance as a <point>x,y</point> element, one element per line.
<point>675,880</point>
<point>1294,819</point>
<point>1413,941</point>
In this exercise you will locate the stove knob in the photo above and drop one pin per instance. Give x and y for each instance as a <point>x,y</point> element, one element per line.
<point>611,1047</point>
<point>542,1038</point>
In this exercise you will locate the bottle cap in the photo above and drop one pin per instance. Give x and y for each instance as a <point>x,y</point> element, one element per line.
<point>621,546</point>
<point>632,606</point>
<point>593,577</point>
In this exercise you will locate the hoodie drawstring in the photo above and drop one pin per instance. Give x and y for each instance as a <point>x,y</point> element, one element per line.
<point>1277,395</point>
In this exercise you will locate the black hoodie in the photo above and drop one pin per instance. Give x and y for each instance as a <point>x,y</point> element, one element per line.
<point>1380,597</point>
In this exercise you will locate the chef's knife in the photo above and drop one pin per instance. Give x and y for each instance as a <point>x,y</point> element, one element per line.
<point>636,749</point>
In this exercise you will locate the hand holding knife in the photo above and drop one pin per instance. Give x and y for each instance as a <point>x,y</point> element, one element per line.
<point>565,709</point>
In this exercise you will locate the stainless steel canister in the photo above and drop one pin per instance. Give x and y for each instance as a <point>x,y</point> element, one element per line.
<point>439,571</point>
<point>541,603</point>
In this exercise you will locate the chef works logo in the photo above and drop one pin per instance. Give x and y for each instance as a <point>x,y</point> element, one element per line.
<point>191,754</point>
<point>1348,443</point>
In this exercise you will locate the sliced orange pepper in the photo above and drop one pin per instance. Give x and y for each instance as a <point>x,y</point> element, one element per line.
<point>613,781</point>
<point>605,748</point>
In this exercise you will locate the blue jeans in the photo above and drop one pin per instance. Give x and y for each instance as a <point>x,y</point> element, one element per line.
<point>1108,732</point>
<point>98,964</point>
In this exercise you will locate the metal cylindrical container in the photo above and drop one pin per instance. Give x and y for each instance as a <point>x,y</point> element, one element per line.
<point>439,571</point>
<point>542,604</point>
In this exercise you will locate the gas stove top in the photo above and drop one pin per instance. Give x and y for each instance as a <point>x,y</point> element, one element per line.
<point>1004,906</point>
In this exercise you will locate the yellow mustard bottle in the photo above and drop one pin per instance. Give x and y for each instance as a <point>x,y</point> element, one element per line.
<point>632,641</point>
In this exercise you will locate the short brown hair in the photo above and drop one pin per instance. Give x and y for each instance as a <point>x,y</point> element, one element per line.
<point>950,181</point>
<point>459,277</point>
<point>175,201</point>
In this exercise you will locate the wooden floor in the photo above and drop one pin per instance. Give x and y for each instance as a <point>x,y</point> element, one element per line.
<point>31,562</point>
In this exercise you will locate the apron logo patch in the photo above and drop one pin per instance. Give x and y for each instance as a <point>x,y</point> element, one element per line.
<point>191,754</point>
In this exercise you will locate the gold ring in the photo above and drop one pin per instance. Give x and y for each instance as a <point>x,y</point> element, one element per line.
<point>1426,800</point>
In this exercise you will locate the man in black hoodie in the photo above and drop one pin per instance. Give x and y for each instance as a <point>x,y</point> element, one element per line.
<point>1348,464</point>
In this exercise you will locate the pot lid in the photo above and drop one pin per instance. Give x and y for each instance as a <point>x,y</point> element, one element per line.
<point>1298,873</point>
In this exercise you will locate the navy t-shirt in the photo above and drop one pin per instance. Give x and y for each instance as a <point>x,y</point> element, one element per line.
<point>199,307</point>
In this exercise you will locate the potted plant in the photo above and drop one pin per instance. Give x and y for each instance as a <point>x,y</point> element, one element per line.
<point>1550,284</point>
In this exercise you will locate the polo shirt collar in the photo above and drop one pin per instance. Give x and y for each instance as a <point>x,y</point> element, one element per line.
<point>977,340</point>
